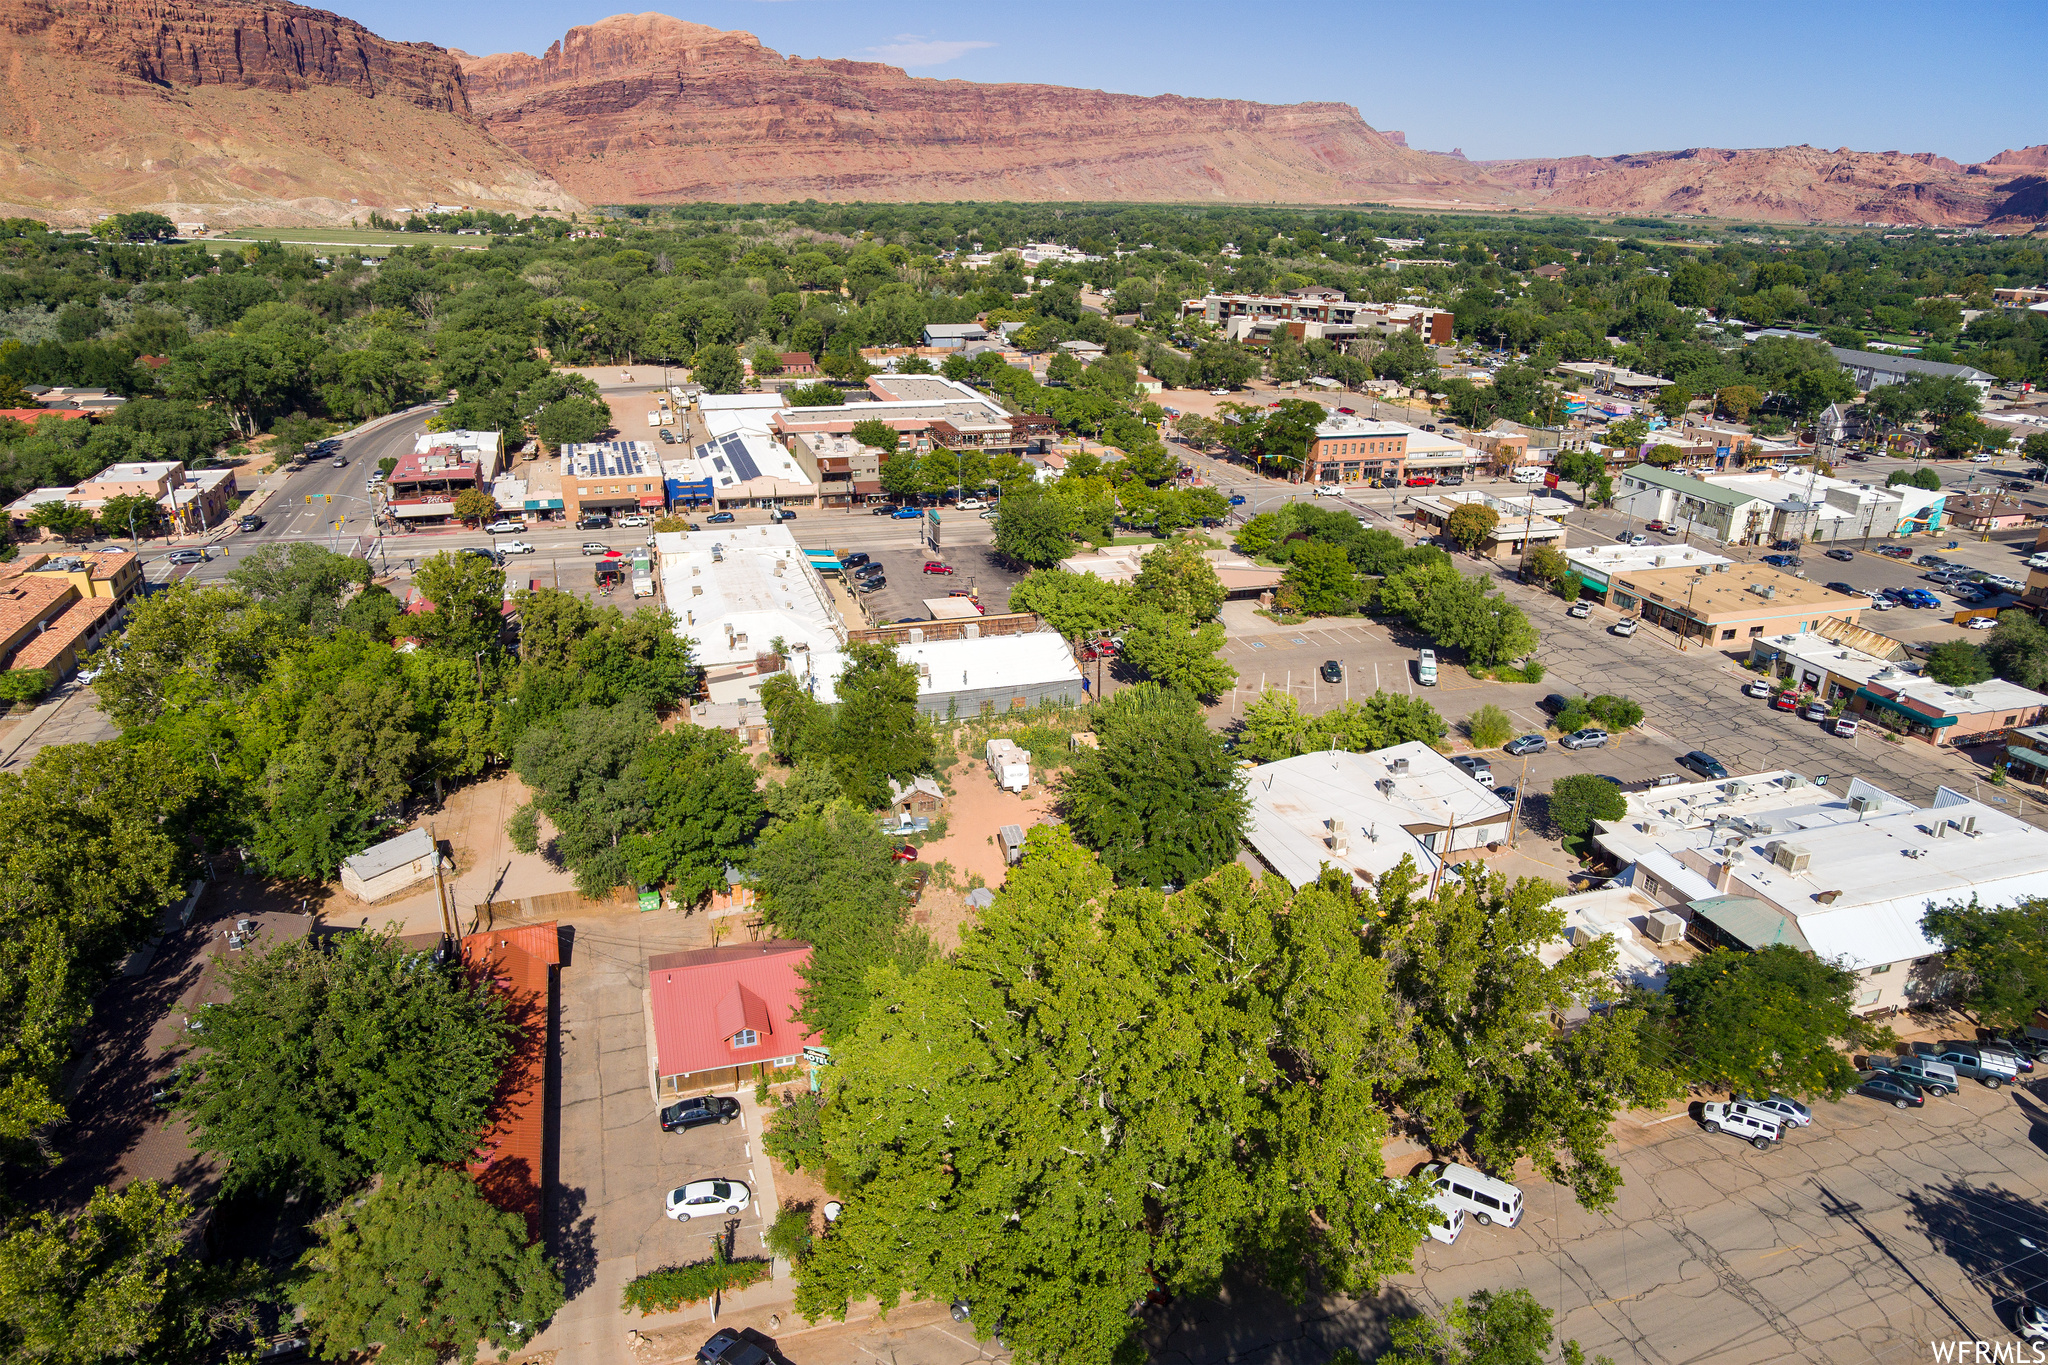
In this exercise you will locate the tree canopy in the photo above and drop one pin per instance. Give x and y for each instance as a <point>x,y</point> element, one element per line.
<point>1158,798</point>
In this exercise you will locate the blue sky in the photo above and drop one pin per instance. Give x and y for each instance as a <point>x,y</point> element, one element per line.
<point>1495,78</point>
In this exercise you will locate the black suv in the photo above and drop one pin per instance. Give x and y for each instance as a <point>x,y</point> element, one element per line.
<point>252,522</point>
<point>1332,671</point>
<point>594,523</point>
<point>694,1113</point>
<point>1703,763</point>
<point>866,570</point>
<point>727,1347</point>
<point>854,561</point>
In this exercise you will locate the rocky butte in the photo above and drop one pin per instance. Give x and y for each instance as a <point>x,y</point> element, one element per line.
<point>646,108</point>
<point>237,110</point>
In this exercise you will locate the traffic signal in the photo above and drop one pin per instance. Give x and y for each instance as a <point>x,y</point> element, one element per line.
<point>309,499</point>
<point>330,497</point>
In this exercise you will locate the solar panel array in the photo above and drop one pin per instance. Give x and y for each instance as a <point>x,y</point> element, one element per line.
<point>610,459</point>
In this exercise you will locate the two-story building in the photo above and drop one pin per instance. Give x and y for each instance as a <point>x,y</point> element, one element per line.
<point>1347,449</point>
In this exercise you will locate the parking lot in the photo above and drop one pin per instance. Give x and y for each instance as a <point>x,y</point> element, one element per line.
<point>975,569</point>
<point>1864,1237</point>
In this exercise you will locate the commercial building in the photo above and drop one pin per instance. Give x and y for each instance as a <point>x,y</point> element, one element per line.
<point>1871,369</point>
<point>421,489</point>
<point>1712,605</point>
<point>612,478</point>
<point>1241,577</point>
<point>1757,508</point>
<point>928,411</point>
<point>744,469</point>
<point>734,591</point>
<point>723,1015</point>
<point>1988,512</point>
<point>1364,813</point>
<point>1347,449</point>
<point>1523,521</point>
<point>47,623</point>
<point>203,503</point>
<point>114,573</point>
<point>1598,565</point>
<point>508,1162</point>
<point>1606,378</point>
<point>848,473</point>
<point>1846,874</point>
<point>968,676</point>
<point>1311,313</point>
<point>1896,695</point>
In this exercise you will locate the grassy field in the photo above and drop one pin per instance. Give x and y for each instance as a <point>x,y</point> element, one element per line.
<point>367,239</point>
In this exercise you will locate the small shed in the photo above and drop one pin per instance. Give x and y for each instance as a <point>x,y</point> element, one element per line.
<point>921,797</point>
<point>980,898</point>
<point>382,869</point>
<point>1010,838</point>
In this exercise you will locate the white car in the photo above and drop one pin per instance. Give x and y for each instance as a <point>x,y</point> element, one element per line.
<point>1982,623</point>
<point>1980,458</point>
<point>705,1198</point>
<point>1579,611</point>
<point>1788,1110</point>
<point>972,504</point>
<point>504,528</point>
<point>989,515</point>
<point>514,547</point>
<point>1625,626</point>
<point>1329,490</point>
<point>1760,688</point>
<point>1219,393</point>
<point>635,520</point>
<point>2033,1323</point>
<point>1882,604</point>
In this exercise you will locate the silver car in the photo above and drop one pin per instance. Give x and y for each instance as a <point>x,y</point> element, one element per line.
<point>1787,1110</point>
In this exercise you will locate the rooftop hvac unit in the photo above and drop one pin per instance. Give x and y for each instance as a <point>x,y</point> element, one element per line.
<point>1384,785</point>
<point>1339,844</point>
<point>1662,926</point>
<point>1938,830</point>
<point>1721,568</point>
<point>916,636</point>
<point>970,631</point>
<point>1399,767</point>
<point>1738,789</point>
<point>1790,857</point>
<point>1968,824</point>
<point>1863,803</point>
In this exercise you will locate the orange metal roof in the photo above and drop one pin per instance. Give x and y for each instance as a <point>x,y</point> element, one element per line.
<point>507,1160</point>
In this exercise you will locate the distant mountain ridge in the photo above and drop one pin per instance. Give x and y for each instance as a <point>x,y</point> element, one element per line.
<point>266,111</point>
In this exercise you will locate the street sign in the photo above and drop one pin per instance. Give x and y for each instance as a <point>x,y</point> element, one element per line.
<point>932,529</point>
<point>818,1056</point>
<point>650,900</point>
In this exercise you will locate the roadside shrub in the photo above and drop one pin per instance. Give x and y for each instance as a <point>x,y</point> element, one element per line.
<point>1489,727</point>
<point>796,1133</point>
<point>789,1236</point>
<point>23,685</point>
<point>1577,801</point>
<point>670,1288</point>
<point>1617,713</point>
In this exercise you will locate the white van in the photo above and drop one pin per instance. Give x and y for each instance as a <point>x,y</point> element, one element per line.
<point>1453,1222</point>
<point>1489,1201</point>
<point>1758,1127</point>
<point>1425,668</point>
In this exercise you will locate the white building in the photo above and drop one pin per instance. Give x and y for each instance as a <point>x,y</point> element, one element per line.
<point>1364,813</point>
<point>1879,689</point>
<point>967,676</point>
<point>735,591</point>
<point>1845,873</point>
<point>486,448</point>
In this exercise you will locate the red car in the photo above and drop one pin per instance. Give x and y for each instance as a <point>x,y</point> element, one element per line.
<point>1099,649</point>
<point>933,566</point>
<point>1422,481</point>
<point>904,854</point>
<point>1788,700</point>
<point>1655,526</point>
<point>1349,412</point>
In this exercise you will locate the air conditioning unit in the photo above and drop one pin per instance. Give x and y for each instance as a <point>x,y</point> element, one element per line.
<point>1399,767</point>
<point>1662,926</point>
<point>1864,804</point>
<point>1968,825</point>
<point>1790,857</point>
<point>1937,830</point>
<point>916,636</point>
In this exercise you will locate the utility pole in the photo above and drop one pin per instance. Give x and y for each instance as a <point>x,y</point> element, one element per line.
<point>441,891</point>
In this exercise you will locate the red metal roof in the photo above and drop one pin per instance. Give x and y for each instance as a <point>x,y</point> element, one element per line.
<point>702,998</point>
<point>507,1160</point>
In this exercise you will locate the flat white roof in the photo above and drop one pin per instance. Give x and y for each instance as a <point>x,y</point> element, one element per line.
<point>1613,559</point>
<point>1294,801</point>
<point>1870,875</point>
<point>943,666</point>
<point>735,589</point>
<point>736,402</point>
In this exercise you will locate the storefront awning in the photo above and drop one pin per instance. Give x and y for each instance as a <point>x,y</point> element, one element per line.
<point>2033,756</point>
<point>543,504</point>
<point>422,509</point>
<point>1917,717</point>
<point>653,500</point>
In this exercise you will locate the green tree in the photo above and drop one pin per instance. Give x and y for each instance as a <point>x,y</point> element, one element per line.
<point>878,435</point>
<point>1491,1328</point>
<point>302,583</point>
<point>1547,564</point>
<point>1961,434</point>
<point>1672,401</point>
<point>1471,523</point>
<point>704,808</point>
<point>718,369</point>
<point>1768,1021</point>
<point>1074,604</point>
<point>423,1269</point>
<point>571,421</point>
<point>1175,653</point>
<point>65,519</point>
<point>1580,799</point>
<point>329,1062</point>
<point>468,593</point>
<point>1628,434</point>
<point>1489,727</point>
<point>1957,663</point>
<point>1032,529</point>
<point>877,733</point>
<point>247,375</point>
<point>324,794</point>
<point>1458,611</point>
<point>2018,649</point>
<point>1158,798</point>
<point>1066,1020</point>
<point>24,685</point>
<point>474,505</point>
<point>1321,579</point>
<point>1275,728</point>
<point>130,515</point>
<point>2001,953</point>
<point>585,774</point>
<point>827,877</point>
<point>814,396</point>
<point>92,1286</point>
<point>1739,400</point>
<point>1179,579</point>
<point>1581,467</point>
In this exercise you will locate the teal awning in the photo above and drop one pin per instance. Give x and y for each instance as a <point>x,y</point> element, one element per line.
<point>1750,922</point>
<point>1917,717</point>
<point>2033,756</point>
<point>543,504</point>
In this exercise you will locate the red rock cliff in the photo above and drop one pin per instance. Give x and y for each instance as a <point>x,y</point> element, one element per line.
<point>644,107</point>
<point>238,43</point>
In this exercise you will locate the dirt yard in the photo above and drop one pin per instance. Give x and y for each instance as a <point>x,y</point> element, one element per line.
<point>979,808</point>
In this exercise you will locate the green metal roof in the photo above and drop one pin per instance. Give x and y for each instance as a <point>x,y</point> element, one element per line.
<point>1689,486</point>
<point>1750,922</point>
<point>1917,717</point>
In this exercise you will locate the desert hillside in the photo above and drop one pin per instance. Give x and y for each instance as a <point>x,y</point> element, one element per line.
<point>649,108</point>
<point>237,112</point>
